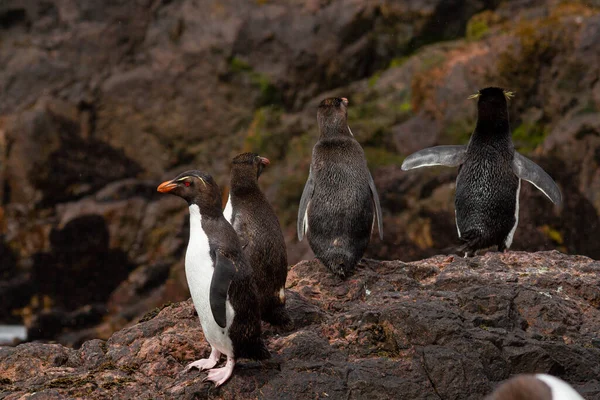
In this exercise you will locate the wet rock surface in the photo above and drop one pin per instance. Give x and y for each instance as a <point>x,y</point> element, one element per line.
<point>440,328</point>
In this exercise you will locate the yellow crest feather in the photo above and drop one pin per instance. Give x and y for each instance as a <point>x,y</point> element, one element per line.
<point>188,177</point>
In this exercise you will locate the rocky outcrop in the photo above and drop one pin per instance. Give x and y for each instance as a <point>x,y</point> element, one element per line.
<point>440,328</point>
<point>101,102</point>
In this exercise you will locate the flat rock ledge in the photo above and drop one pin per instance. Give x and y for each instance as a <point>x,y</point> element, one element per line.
<point>440,328</point>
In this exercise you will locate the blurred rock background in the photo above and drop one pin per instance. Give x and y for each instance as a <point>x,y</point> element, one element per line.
<point>102,101</point>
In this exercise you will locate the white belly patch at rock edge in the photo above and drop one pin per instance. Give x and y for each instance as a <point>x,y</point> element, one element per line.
<point>199,271</point>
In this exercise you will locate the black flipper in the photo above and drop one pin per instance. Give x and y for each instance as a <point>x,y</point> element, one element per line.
<point>219,286</point>
<point>527,170</point>
<point>449,156</point>
<point>302,225</point>
<point>377,215</point>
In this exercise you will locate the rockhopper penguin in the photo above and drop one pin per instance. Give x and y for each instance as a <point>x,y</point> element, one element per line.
<point>258,229</point>
<point>219,278</point>
<point>339,207</point>
<point>534,387</point>
<point>489,176</point>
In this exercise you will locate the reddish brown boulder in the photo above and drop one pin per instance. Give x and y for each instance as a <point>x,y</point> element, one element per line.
<point>444,327</point>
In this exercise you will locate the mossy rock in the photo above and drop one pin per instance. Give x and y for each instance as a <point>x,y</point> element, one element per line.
<point>539,41</point>
<point>116,383</point>
<point>290,184</point>
<point>458,131</point>
<point>288,197</point>
<point>264,136</point>
<point>397,62</point>
<point>380,157</point>
<point>372,80</point>
<point>528,136</point>
<point>556,237</point>
<point>67,382</point>
<point>371,121</point>
<point>237,65</point>
<point>479,25</point>
<point>422,83</point>
<point>553,234</point>
<point>268,93</point>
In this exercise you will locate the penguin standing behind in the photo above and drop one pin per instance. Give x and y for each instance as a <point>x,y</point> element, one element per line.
<point>219,278</point>
<point>339,207</point>
<point>489,176</point>
<point>258,228</point>
<point>534,387</point>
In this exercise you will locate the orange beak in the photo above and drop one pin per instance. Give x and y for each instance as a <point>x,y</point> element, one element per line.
<point>166,187</point>
<point>264,161</point>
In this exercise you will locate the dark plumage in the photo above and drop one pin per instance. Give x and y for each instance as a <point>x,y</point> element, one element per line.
<point>260,234</point>
<point>486,186</point>
<point>489,176</point>
<point>339,204</point>
<point>219,277</point>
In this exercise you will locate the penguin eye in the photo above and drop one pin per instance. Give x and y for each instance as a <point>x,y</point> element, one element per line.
<point>187,183</point>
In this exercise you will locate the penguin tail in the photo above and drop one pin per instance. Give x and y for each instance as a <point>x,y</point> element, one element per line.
<point>278,316</point>
<point>340,261</point>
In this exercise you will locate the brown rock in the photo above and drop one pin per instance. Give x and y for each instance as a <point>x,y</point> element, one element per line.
<point>442,327</point>
<point>101,100</point>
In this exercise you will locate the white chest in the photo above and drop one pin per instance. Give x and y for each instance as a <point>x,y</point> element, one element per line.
<point>199,271</point>
<point>228,211</point>
<point>511,234</point>
<point>561,390</point>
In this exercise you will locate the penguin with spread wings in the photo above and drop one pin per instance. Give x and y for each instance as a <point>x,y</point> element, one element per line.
<point>489,176</point>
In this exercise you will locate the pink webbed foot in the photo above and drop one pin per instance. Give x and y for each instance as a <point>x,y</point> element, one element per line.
<point>220,375</point>
<point>205,363</point>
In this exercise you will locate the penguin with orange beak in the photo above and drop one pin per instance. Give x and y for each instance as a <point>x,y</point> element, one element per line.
<point>219,278</point>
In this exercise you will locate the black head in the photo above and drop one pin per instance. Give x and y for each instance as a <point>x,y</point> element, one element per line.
<point>332,117</point>
<point>492,95</point>
<point>492,102</point>
<point>249,165</point>
<point>195,187</point>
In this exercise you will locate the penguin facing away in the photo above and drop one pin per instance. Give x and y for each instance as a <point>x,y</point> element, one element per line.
<point>339,207</point>
<point>489,176</point>
<point>258,229</point>
<point>534,387</point>
<point>219,278</point>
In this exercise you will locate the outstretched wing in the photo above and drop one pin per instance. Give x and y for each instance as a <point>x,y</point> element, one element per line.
<point>527,170</point>
<point>302,226</point>
<point>377,216</point>
<point>449,156</point>
<point>219,286</point>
